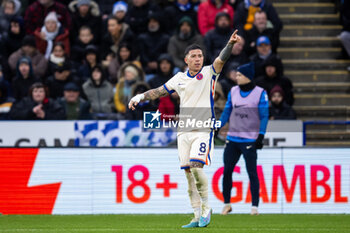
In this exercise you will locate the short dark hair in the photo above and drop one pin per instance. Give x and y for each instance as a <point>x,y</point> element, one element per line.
<point>192,47</point>
<point>38,85</point>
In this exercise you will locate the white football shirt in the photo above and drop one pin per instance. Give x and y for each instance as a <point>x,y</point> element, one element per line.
<point>196,92</point>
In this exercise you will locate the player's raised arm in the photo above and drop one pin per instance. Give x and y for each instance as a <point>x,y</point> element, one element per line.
<point>148,95</point>
<point>226,52</point>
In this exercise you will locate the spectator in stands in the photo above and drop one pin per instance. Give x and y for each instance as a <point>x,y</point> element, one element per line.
<point>24,78</point>
<point>264,51</point>
<point>91,60</point>
<point>229,79</point>
<point>106,7</point>
<point>15,35</point>
<point>99,91</point>
<point>84,39</point>
<point>36,13</point>
<point>120,9</point>
<point>165,71</point>
<point>137,15</point>
<point>152,43</point>
<point>57,58</point>
<point>85,13</point>
<point>216,38</point>
<point>279,109</point>
<point>75,107</point>
<point>273,76</point>
<point>61,76</point>
<point>8,9</point>
<point>185,35</point>
<point>118,32</point>
<point>148,106</point>
<point>37,106</point>
<point>5,101</point>
<point>177,11</point>
<point>207,12</point>
<point>260,29</point>
<point>238,57</point>
<point>130,77</point>
<point>345,34</point>
<point>28,49</point>
<point>124,54</point>
<point>51,32</point>
<point>244,15</point>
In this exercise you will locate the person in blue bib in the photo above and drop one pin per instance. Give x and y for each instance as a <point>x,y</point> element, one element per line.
<point>247,111</point>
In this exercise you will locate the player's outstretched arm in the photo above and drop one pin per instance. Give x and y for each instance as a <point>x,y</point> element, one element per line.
<point>148,95</point>
<point>225,53</point>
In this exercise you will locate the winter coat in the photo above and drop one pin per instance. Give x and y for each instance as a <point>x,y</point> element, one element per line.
<point>151,45</point>
<point>83,111</point>
<point>100,97</point>
<point>122,89</point>
<point>92,20</point>
<point>241,15</point>
<point>177,45</point>
<point>62,36</point>
<point>137,17</point>
<point>35,15</point>
<point>259,63</point>
<point>215,40</point>
<point>56,87</point>
<point>20,85</point>
<point>174,14</point>
<point>253,34</point>
<point>282,112</point>
<point>207,12</point>
<point>39,62</point>
<point>108,45</point>
<point>23,110</point>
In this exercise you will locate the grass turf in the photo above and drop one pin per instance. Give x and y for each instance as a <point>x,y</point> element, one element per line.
<point>172,223</point>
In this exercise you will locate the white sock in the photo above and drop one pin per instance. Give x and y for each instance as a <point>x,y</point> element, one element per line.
<point>202,187</point>
<point>194,196</point>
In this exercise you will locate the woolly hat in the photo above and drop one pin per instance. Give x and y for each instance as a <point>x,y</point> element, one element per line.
<point>132,69</point>
<point>247,70</point>
<point>51,16</point>
<point>120,6</point>
<point>83,2</point>
<point>275,89</point>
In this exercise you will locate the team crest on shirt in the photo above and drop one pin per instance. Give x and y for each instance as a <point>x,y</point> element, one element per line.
<point>199,76</point>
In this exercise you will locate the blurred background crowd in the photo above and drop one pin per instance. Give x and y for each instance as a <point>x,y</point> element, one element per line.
<point>85,59</point>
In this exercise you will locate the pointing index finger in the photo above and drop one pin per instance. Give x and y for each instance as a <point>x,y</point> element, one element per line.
<point>235,32</point>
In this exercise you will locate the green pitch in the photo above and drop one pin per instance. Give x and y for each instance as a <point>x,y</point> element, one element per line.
<point>172,223</point>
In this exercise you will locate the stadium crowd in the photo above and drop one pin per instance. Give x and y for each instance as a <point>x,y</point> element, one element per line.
<point>85,59</point>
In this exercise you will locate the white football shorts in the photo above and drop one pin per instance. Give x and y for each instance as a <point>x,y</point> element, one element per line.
<point>195,146</point>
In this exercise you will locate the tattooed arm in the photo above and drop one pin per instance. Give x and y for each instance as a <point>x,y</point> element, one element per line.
<point>148,95</point>
<point>226,52</point>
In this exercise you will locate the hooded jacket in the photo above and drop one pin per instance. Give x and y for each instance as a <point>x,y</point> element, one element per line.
<point>121,99</point>
<point>216,39</point>
<point>207,12</point>
<point>160,78</point>
<point>20,85</point>
<point>100,96</point>
<point>23,110</point>
<point>177,44</point>
<point>92,20</point>
<point>268,83</point>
